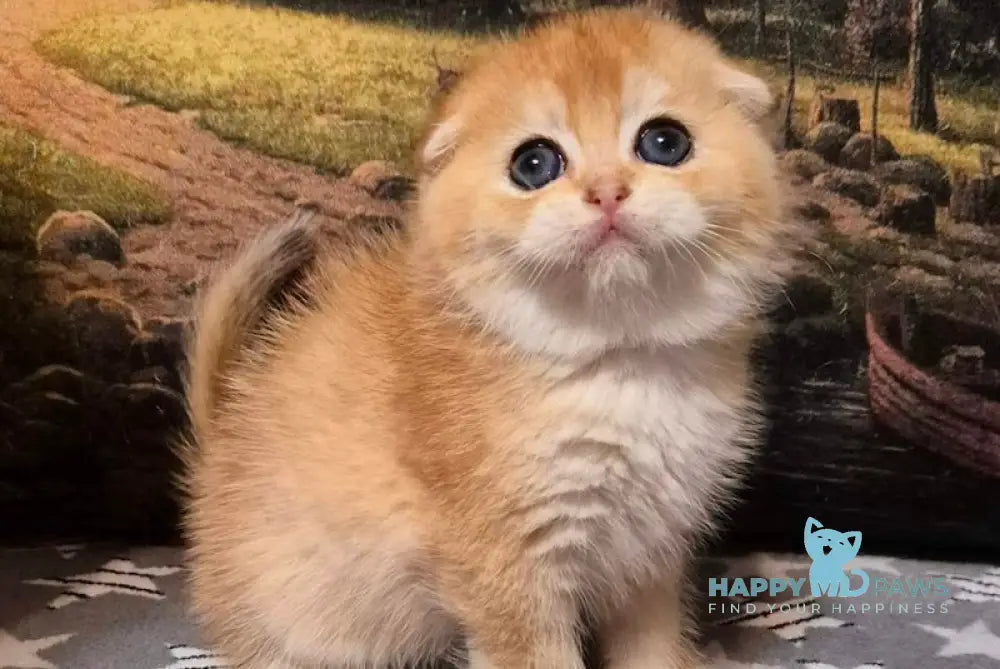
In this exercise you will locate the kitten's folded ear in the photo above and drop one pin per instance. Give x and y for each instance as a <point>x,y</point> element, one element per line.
<point>751,95</point>
<point>438,143</point>
<point>441,136</point>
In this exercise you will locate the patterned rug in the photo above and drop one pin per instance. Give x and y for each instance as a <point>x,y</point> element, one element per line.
<point>82,607</point>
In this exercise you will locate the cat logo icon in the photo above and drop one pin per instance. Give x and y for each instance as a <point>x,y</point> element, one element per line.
<point>830,550</point>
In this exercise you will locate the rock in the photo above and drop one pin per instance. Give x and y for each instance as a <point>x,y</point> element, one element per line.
<point>932,262</point>
<point>980,270</point>
<point>172,329</point>
<point>66,235</point>
<point>101,270</point>
<point>50,406</point>
<point>62,379</point>
<point>963,360</point>
<point>858,186</point>
<point>805,295</point>
<point>975,199</point>
<point>805,164</point>
<point>843,111</point>
<point>396,188</point>
<point>10,415</point>
<point>156,349</point>
<point>856,154</point>
<point>104,329</point>
<point>75,280</point>
<point>918,281</point>
<point>811,210</point>
<point>376,174</point>
<point>827,140</point>
<point>156,375</point>
<point>147,406</point>
<point>921,172</point>
<point>907,209</point>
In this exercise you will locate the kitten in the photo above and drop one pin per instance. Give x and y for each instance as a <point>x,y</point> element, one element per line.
<point>522,411</point>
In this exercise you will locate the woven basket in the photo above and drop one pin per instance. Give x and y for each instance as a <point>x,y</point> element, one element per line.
<point>929,410</point>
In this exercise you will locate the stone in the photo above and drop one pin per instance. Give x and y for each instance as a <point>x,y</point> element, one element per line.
<point>805,295</point>
<point>975,199</point>
<point>147,406</point>
<point>373,174</point>
<point>75,280</point>
<point>156,349</point>
<point>920,172</point>
<point>907,209</point>
<point>853,184</point>
<point>844,111</point>
<point>856,154</point>
<point>68,234</point>
<point>804,163</point>
<point>931,261</point>
<point>62,379</point>
<point>50,406</point>
<point>104,328</point>
<point>827,140</point>
<point>101,270</point>
<point>156,375</point>
<point>395,188</point>
<point>963,360</point>
<point>920,281</point>
<point>811,210</point>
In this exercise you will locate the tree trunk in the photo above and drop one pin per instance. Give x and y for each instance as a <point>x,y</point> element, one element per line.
<point>975,199</point>
<point>877,84</point>
<point>923,111</point>
<point>691,12</point>
<point>760,19</point>
<point>502,11</point>
<point>788,134</point>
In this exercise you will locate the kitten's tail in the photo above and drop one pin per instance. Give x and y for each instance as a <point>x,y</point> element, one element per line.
<point>235,305</point>
<point>864,583</point>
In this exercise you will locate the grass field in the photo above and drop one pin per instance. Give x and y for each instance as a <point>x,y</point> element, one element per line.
<point>334,92</point>
<point>968,123</point>
<point>322,90</point>
<point>37,178</point>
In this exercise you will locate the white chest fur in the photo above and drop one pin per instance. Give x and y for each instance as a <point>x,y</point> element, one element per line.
<point>629,456</point>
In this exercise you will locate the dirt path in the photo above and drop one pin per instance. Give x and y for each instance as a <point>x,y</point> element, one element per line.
<point>220,194</point>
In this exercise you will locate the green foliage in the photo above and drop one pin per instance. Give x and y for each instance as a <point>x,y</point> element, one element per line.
<point>325,90</point>
<point>37,178</point>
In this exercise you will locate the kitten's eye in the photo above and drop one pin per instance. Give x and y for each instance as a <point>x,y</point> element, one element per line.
<point>663,142</point>
<point>536,163</point>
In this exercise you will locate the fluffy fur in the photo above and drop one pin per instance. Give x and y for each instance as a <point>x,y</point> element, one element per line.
<point>491,427</point>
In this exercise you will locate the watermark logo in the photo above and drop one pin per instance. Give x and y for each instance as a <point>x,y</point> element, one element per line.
<point>830,577</point>
<point>830,550</point>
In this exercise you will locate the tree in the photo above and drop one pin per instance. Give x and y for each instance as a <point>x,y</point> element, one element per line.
<point>760,19</point>
<point>690,12</point>
<point>923,110</point>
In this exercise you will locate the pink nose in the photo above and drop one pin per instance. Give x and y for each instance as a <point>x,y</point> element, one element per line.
<point>608,196</point>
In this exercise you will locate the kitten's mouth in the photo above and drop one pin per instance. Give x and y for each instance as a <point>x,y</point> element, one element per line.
<point>611,238</point>
<point>827,550</point>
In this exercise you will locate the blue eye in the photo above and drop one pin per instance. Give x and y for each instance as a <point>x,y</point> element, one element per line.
<point>663,142</point>
<point>536,163</point>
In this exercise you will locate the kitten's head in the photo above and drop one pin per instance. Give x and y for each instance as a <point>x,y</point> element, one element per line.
<point>830,546</point>
<point>603,181</point>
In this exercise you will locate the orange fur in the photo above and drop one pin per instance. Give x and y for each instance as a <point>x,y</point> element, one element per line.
<point>486,426</point>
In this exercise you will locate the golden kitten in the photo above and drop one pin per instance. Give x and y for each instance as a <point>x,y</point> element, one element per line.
<point>518,414</point>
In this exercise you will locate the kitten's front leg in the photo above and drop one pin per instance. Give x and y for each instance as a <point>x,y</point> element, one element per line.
<point>518,622</point>
<point>650,632</point>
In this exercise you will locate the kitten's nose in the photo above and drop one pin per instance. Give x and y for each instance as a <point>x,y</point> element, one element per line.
<point>608,195</point>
